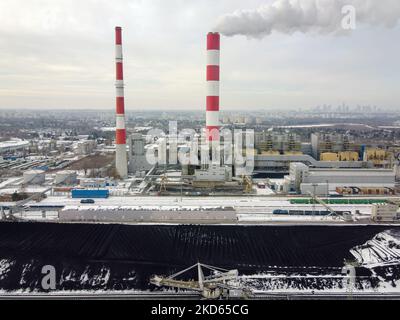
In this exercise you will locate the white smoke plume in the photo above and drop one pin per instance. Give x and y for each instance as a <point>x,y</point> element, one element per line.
<point>307,16</point>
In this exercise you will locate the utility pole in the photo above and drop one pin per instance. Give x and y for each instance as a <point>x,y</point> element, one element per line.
<point>327,191</point>
<point>181,189</point>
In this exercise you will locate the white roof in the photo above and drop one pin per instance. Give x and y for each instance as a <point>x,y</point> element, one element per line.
<point>13,144</point>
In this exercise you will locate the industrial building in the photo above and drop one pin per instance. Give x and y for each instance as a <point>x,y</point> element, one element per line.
<point>275,143</point>
<point>340,156</point>
<point>34,177</point>
<point>86,147</point>
<point>13,145</point>
<point>66,177</point>
<point>212,176</point>
<point>304,180</point>
<point>385,212</point>
<point>380,158</point>
<point>137,156</point>
<point>279,164</point>
<point>332,143</point>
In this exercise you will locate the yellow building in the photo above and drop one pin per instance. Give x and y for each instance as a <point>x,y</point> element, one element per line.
<point>270,153</point>
<point>293,153</point>
<point>348,156</point>
<point>329,156</point>
<point>380,157</point>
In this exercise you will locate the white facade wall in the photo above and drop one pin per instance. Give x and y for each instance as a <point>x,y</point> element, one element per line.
<point>351,177</point>
<point>384,212</point>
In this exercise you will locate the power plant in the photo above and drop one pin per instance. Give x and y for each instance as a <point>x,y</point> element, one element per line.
<point>131,205</point>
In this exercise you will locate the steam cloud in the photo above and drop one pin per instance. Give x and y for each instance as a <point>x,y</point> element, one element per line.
<point>307,16</point>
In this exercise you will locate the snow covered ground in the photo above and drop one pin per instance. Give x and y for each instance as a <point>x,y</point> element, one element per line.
<point>243,204</point>
<point>277,218</point>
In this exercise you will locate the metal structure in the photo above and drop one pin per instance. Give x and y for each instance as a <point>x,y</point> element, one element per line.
<point>163,183</point>
<point>247,183</point>
<point>19,206</point>
<point>214,286</point>
<point>344,216</point>
<point>121,161</point>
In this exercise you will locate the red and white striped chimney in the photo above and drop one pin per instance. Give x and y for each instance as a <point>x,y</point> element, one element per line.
<point>212,113</point>
<point>121,162</point>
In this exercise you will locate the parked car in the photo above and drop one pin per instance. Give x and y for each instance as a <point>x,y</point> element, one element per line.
<point>87,201</point>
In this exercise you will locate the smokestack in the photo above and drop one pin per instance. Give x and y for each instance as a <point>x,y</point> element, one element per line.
<point>121,162</point>
<point>212,113</point>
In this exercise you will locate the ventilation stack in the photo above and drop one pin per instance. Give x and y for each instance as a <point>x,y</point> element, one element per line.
<point>121,162</point>
<point>212,111</point>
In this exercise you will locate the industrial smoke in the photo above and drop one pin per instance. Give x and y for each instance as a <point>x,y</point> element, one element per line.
<point>307,16</point>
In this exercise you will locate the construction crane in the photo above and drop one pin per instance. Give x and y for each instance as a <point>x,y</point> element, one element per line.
<point>214,286</point>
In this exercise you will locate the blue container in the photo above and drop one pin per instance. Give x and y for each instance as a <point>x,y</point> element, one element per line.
<point>88,194</point>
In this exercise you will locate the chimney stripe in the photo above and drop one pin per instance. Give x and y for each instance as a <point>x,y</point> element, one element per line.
<point>212,103</point>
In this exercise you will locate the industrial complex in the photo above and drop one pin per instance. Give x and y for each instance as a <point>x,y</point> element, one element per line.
<point>187,182</point>
<point>186,164</point>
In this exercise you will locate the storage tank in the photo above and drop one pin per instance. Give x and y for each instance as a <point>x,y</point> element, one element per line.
<point>34,177</point>
<point>67,177</point>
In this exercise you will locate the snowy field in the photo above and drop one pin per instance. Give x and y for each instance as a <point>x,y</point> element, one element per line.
<point>243,204</point>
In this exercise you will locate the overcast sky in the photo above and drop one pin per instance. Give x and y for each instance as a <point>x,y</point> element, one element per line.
<point>60,54</point>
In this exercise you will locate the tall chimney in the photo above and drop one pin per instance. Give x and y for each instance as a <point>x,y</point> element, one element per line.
<point>121,162</point>
<point>212,113</point>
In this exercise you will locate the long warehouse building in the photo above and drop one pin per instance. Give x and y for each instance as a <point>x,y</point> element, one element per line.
<point>303,179</point>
